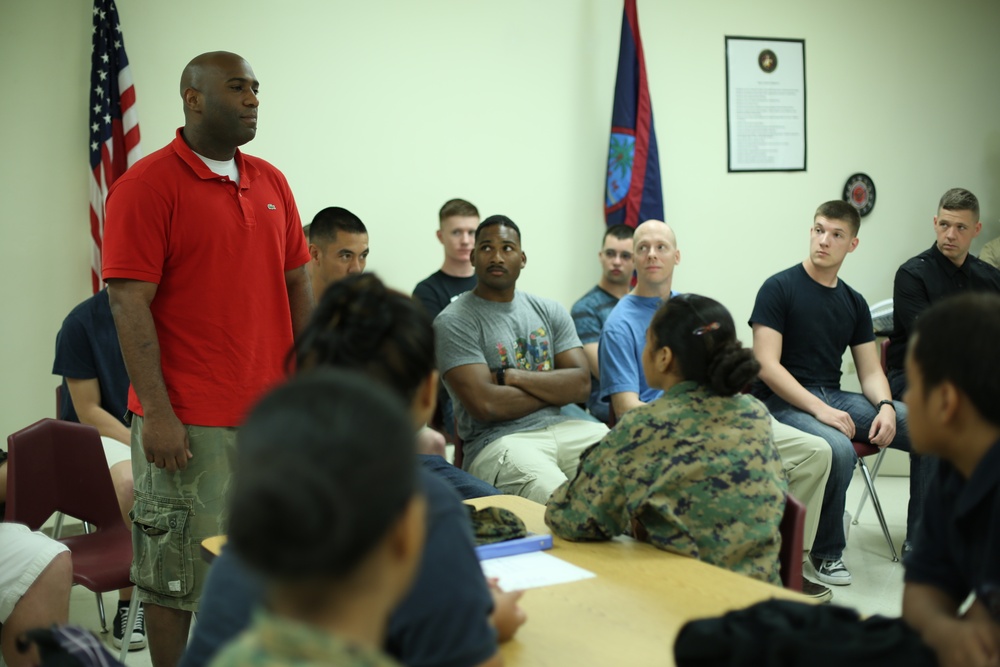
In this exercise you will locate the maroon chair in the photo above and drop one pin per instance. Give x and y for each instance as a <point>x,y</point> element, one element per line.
<point>792,528</point>
<point>59,466</point>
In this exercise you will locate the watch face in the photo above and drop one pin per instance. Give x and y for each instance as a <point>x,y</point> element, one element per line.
<point>860,192</point>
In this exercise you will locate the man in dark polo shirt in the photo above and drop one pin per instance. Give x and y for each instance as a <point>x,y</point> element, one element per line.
<point>944,269</point>
<point>953,368</point>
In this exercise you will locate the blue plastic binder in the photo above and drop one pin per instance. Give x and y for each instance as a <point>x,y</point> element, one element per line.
<point>521,545</point>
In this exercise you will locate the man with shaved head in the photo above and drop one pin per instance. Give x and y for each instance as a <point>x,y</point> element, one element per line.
<point>205,262</point>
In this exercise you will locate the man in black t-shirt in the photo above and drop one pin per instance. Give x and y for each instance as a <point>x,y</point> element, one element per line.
<point>458,220</point>
<point>803,320</point>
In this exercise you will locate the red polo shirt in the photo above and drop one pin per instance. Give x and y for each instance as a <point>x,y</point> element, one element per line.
<point>218,252</point>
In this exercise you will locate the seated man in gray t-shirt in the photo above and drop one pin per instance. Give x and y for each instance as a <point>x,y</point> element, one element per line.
<point>510,361</point>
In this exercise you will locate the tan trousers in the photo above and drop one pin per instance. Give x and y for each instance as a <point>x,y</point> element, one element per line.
<point>806,459</point>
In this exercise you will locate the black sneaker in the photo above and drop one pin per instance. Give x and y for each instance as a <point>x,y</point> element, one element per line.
<point>817,592</point>
<point>831,571</point>
<point>138,638</point>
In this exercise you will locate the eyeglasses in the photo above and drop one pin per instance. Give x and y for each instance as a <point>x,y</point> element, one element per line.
<point>612,254</point>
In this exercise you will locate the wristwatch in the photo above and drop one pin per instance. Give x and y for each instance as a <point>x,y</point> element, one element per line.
<point>881,403</point>
<point>500,379</point>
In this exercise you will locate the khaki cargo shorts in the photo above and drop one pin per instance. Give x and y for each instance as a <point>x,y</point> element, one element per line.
<point>175,511</point>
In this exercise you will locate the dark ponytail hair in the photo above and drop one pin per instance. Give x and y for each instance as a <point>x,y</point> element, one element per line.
<point>361,324</point>
<point>701,334</point>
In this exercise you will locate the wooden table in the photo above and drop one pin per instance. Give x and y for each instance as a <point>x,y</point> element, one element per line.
<point>631,612</point>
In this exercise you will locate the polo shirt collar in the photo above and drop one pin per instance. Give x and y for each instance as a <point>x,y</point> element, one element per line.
<point>985,479</point>
<point>247,172</point>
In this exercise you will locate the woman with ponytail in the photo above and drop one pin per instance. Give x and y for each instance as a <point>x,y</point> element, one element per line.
<point>694,472</point>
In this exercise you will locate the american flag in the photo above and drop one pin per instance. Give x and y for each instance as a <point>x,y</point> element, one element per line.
<point>114,123</point>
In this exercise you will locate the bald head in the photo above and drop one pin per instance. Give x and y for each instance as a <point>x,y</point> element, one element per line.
<point>656,255</point>
<point>196,72</point>
<point>219,90</point>
<point>654,227</point>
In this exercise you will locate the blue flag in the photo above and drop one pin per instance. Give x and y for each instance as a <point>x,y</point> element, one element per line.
<point>633,193</point>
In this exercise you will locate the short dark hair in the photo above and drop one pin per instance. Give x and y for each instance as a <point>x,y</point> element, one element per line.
<point>361,324</point>
<point>460,207</point>
<point>620,232</point>
<point>955,340</point>
<point>333,219</point>
<point>702,337</point>
<point>840,210</point>
<point>495,220</point>
<point>325,465</point>
<point>959,199</point>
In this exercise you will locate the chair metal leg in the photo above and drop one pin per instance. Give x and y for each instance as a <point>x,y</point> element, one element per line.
<point>100,612</point>
<point>878,507</point>
<point>57,528</point>
<point>864,494</point>
<point>133,607</point>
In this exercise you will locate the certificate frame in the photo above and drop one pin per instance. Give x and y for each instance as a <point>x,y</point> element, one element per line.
<point>765,104</point>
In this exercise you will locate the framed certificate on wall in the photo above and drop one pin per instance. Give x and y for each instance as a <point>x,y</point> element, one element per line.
<point>766,103</point>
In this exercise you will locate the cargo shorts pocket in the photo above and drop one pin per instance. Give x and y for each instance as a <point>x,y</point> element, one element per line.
<point>161,545</point>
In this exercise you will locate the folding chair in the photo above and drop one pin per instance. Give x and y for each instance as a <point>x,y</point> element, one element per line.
<point>59,466</point>
<point>792,529</point>
<point>881,453</point>
<point>862,450</point>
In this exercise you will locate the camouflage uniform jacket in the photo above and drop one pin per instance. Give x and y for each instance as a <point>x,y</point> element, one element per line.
<point>272,640</point>
<point>692,472</point>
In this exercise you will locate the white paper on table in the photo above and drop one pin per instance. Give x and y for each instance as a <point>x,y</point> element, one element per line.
<point>532,570</point>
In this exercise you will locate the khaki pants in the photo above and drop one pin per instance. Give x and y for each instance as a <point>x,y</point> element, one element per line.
<point>806,459</point>
<point>533,464</point>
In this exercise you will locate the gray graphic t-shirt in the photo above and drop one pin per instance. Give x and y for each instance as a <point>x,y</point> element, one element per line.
<point>526,333</point>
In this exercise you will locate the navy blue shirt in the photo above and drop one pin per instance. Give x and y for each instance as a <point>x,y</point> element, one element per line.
<point>957,549</point>
<point>442,622</point>
<point>817,324</point>
<point>87,348</point>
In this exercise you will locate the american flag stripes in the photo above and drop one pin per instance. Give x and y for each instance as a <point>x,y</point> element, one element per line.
<point>114,123</point>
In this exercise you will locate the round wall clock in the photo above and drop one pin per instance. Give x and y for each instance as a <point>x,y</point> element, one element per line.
<point>860,192</point>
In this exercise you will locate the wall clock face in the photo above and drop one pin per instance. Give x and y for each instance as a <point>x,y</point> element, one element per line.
<point>859,191</point>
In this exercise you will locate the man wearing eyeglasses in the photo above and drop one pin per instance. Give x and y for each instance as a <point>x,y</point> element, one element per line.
<point>593,308</point>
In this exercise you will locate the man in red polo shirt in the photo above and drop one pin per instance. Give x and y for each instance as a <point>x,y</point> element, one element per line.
<point>205,262</point>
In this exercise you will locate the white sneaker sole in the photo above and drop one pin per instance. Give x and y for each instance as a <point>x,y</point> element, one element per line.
<point>832,581</point>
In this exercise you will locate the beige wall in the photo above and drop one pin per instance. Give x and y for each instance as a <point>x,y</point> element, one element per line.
<point>390,108</point>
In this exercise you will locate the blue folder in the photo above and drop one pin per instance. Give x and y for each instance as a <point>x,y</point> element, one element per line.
<point>521,545</point>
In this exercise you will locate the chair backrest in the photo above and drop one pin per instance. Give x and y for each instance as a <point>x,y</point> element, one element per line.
<point>792,528</point>
<point>59,466</point>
